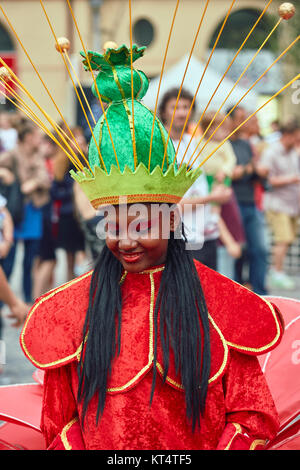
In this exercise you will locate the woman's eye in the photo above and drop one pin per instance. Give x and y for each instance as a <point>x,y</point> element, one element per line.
<point>143,226</point>
<point>112,228</point>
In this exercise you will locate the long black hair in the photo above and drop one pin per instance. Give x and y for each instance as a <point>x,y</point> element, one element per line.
<point>183,327</point>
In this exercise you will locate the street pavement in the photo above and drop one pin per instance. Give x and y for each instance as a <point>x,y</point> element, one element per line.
<point>17,369</point>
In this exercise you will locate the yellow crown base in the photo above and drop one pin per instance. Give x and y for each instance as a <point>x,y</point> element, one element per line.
<point>133,186</point>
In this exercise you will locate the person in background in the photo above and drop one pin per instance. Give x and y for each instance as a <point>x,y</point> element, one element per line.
<point>8,134</point>
<point>89,220</point>
<point>219,168</point>
<point>280,162</point>
<point>200,221</point>
<point>18,308</point>
<point>275,134</point>
<point>44,268</point>
<point>244,177</point>
<point>27,165</point>
<point>68,233</point>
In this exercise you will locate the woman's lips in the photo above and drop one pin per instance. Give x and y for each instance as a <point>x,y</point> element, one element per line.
<point>132,257</point>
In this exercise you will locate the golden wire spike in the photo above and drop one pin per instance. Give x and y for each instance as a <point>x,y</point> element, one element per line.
<point>132,91</point>
<point>248,118</point>
<point>63,44</point>
<point>18,83</point>
<point>205,69</point>
<point>96,87</point>
<point>224,75</point>
<point>160,79</point>
<point>183,78</point>
<point>245,94</point>
<point>70,75</point>
<point>29,113</point>
<point>4,77</point>
<point>38,74</point>
<point>235,85</point>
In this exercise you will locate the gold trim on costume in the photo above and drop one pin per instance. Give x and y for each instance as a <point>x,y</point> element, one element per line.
<point>256,443</point>
<point>218,373</point>
<point>267,346</point>
<point>51,294</point>
<point>63,434</point>
<point>150,355</point>
<point>238,430</point>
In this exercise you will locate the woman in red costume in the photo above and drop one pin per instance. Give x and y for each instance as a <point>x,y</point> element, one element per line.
<point>151,350</point>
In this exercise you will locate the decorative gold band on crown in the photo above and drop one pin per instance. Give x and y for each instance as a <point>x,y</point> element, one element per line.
<point>132,198</point>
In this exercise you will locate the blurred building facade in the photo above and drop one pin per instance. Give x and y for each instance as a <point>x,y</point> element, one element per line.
<point>102,20</point>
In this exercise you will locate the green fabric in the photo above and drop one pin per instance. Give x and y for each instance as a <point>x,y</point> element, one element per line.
<point>128,174</point>
<point>140,181</point>
<point>114,85</point>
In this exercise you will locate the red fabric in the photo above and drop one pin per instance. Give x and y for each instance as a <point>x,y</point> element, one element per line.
<point>128,421</point>
<point>16,437</point>
<point>237,392</point>
<point>69,439</point>
<point>12,409</point>
<point>234,437</point>
<point>281,366</point>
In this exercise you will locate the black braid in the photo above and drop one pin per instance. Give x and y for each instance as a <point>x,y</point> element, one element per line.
<point>183,314</point>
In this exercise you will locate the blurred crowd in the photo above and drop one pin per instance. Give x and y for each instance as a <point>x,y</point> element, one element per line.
<point>41,207</point>
<point>252,182</point>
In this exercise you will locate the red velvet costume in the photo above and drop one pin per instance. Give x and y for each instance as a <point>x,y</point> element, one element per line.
<point>239,413</point>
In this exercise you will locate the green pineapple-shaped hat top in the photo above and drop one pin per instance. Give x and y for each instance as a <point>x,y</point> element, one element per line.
<point>128,164</point>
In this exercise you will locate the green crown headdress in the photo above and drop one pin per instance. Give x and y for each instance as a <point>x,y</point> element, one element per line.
<point>127,152</point>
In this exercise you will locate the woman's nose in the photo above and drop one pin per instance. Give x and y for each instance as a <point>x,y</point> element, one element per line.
<point>126,243</point>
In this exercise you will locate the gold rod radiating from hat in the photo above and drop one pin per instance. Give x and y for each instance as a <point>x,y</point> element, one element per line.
<point>18,83</point>
<point>132,90</point>
<point>246,120</point>
<point>160,79</point>
<point>203,74</point>
<point>65,52</point>
<point>96,88</point>
<point>39,76</point>
<point>229,94</point>
<point>241,99</point>
<point>70,75</point>
<point>225,73</point>
<point>35,119</point>
<point>183,78</point>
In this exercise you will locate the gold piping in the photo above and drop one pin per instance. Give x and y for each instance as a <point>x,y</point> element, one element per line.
<point>218,373</point>
<point>256,443</point>
<point>238,430</point>
<point>267,346</point>
<point>63,434</point>
<point>150,355</point>
<point>51,294</point>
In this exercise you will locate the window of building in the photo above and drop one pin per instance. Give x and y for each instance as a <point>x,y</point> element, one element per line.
<point>143,32</point>
<point>6,43</point>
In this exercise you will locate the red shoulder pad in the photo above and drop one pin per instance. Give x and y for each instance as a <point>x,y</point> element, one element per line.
<point>45,338</point>
<point>248,322</point>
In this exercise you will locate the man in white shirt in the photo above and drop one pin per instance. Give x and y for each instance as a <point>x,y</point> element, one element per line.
<point>200,222</point>
<point>282,201</point>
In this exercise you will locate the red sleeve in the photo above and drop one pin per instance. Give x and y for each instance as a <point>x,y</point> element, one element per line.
<point>59,422</point>
<point>251,415</point>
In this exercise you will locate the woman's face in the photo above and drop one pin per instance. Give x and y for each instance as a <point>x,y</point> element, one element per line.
<point>138,239</point>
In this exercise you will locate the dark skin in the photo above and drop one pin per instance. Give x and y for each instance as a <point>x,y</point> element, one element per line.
<point>138,242</point>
